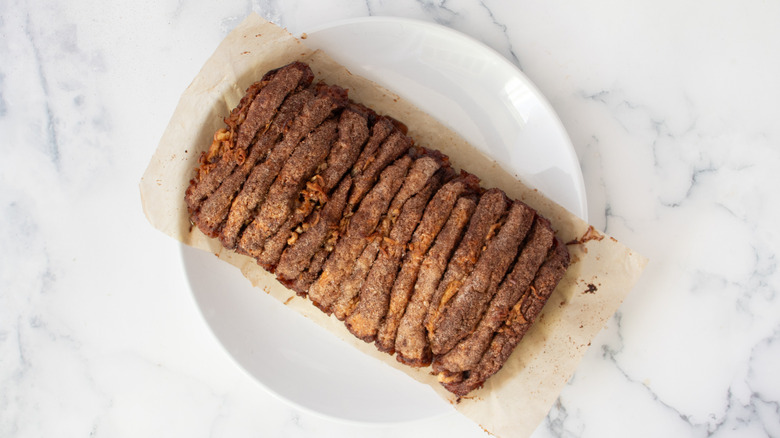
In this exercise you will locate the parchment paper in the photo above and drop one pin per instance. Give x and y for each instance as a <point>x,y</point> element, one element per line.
<point>515,400</point>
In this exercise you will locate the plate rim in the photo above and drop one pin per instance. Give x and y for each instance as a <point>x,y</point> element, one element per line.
<point>183,249</point>
<point>538,95</point>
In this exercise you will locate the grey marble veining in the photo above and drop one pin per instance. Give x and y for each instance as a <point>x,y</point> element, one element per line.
<point>672,109</point>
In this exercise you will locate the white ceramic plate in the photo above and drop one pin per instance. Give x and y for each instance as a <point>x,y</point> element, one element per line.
<point>477,93</point>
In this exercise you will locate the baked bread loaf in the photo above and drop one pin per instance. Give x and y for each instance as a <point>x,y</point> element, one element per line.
<point>344,208</point>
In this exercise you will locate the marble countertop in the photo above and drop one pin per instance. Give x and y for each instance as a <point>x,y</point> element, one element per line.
<point>673,111</point>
